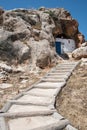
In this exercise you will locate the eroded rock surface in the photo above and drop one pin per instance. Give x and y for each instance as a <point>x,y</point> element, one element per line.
<point>80,52</point>
<point>30,34</point>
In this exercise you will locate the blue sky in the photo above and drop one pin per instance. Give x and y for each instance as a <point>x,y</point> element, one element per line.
<point>77,8</point>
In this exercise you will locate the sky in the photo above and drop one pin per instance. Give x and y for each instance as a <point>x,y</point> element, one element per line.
<point>77,8</point>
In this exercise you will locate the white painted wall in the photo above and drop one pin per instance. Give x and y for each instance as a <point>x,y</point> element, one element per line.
<point>67,45</point>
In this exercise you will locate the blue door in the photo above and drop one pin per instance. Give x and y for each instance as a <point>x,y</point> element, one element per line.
<point>58,47</point>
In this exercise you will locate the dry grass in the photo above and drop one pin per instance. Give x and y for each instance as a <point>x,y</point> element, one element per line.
<point>72,101</point>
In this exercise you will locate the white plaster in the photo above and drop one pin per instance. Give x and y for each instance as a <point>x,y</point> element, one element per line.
<point>67,45</point>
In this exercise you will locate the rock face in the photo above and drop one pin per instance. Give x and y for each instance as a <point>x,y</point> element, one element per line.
<point>79,38</point>
<point>1,16</point>
<point>30,34</point>
<point>20,50</point>
<point>80,52</point>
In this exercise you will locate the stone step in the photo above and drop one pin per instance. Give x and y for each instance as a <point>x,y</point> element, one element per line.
<point>63,69</point>
<point>26,114</point>
<point>60,70</point>
<point>60,73</point>
<point>33,123</point>
<point>43,92</point>
<point>27,108</point>
<point>53,80</point>
<point>65,65</point>
<point>56,77</point>
<point>69,63</point>
<point>49,85</point>
<point>35,98</point>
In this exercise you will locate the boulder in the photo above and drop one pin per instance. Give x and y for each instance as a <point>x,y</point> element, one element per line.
<point>80,53</point>
<point>21,51</point>
<point>43,60</point>
<point>84,44</point>
<point>15,44</point>
<point>79,38</point>
<point>41,53</point>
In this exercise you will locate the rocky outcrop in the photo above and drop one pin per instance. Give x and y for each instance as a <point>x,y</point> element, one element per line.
<point>20,50</point>
<point>30,34</point>
<point>79,38</point>
<point>42,54</point>
<point>80,52</point>
<point>1,16</point>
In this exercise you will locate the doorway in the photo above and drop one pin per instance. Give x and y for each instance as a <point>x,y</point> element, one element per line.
<point>58,47</point>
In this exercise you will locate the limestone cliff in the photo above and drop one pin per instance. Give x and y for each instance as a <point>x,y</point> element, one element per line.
<point>30,34</point>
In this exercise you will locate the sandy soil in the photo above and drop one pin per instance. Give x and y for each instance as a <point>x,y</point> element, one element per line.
<point>72,101</point>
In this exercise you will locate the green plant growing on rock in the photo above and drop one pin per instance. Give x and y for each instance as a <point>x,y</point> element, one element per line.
<point>37,26</point>
<point>51,14</point>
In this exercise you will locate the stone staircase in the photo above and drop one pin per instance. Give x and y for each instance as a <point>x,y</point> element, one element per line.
<point>34,109</point>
